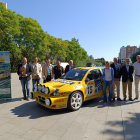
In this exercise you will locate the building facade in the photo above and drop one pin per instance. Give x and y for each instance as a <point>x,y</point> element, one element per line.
<point>126,52</point>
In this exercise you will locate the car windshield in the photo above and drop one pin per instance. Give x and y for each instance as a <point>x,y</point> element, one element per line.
<point>75,74</point>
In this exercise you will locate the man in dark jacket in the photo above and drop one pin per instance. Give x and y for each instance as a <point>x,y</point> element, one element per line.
<point>117,75</point>
<point>24,72</point>
<point>70,66</point>
<point>127,79</point>
<point>58,70</point>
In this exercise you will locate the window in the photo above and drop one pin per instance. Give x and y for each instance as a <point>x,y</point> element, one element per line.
<point>94,74</point>
<point>75,74</point>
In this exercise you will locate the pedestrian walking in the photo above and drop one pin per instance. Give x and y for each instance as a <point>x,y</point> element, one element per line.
<point>137,76</point>
<point>117,75</point>
<point>24,72</point>
<point>58,70</point>
<point>127,79</point>
<point>47,71</point>
<point>108,75</point>
<point>70,66</point>
<point>36,73</point>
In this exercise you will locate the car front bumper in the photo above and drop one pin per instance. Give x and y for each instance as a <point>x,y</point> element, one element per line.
<point>56,102</point>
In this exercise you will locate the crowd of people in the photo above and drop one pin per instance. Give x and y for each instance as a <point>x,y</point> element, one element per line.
<point>112,75</point>
<point>47,72</point>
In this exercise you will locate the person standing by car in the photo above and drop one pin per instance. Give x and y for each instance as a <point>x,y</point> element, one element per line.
<point>127,79</point>
<point>24,72</point>
<point>137,76</point>
<point>58,70</point>
<point>70,66</point>
<point>108,75</point>
<point>47,71</point>
<point>37,71</point>
<point>117,75</point>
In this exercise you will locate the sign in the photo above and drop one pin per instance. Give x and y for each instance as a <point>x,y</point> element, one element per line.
<point>5,75</point>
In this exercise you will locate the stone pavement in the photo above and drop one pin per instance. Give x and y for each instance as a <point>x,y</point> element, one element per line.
<point>26,120</point>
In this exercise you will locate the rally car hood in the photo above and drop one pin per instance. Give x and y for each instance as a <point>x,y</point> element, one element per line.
<point>60,84</point>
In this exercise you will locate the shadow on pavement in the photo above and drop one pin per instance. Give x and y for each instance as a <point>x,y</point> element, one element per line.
<point>127,128</point>
<point>2,101</point>
<point>33,110</point>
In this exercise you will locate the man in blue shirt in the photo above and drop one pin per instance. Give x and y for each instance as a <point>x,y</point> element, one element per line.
<point>47,71</point>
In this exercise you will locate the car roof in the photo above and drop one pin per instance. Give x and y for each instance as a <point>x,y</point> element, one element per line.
<point>88,68</point>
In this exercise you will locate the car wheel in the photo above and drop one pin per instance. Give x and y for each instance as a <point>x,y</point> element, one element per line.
<point>75,100</point>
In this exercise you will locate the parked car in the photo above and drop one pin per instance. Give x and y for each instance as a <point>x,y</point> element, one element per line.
<point>71,90</point>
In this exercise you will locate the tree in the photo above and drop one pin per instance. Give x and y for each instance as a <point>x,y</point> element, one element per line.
<point>9,30</point>
<point>56,47</point>
<point>133,58</point>
<point>92,59</point>
<point>98,64</point>
<point>75,51</point>
<point>31,39</point>
<point>24,37</point>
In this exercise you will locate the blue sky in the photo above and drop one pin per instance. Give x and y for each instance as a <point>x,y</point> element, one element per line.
<point>102,26</point>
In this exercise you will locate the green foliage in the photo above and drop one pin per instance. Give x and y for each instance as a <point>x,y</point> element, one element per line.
<point>9,30</point>
<point>91,59</point>
<point>133,58</point>
<point>24,37</point>
<point>98,64</point>
<point>56,47</point>
<point>76,52</point>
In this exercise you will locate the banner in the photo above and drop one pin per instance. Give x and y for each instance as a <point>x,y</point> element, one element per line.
<point>5,75</point>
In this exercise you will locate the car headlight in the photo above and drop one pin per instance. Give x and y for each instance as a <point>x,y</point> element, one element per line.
<point>47,102</point>
<point>56,94</point>
<point>42,88</point>
<point>39,87</point>
<point>46,90</point>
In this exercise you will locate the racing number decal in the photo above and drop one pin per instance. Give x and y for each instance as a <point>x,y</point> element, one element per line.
<point>90,90</point>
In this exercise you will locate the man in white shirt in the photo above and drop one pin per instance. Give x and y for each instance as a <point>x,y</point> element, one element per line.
<point>37,71</point>
<point>137,76</point>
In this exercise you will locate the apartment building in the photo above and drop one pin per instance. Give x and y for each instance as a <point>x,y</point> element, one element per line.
<point>126,52</point>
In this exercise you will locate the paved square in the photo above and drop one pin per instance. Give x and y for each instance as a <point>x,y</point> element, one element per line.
<point>26,120</point>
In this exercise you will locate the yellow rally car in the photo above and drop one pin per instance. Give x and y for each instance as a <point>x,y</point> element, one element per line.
<point>3,74</point>
<point>71,90</point>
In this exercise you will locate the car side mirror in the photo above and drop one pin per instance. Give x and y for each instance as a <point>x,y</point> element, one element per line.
<point>86,80</point>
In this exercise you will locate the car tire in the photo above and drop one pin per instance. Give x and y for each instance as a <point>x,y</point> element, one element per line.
<point>75,100</point>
